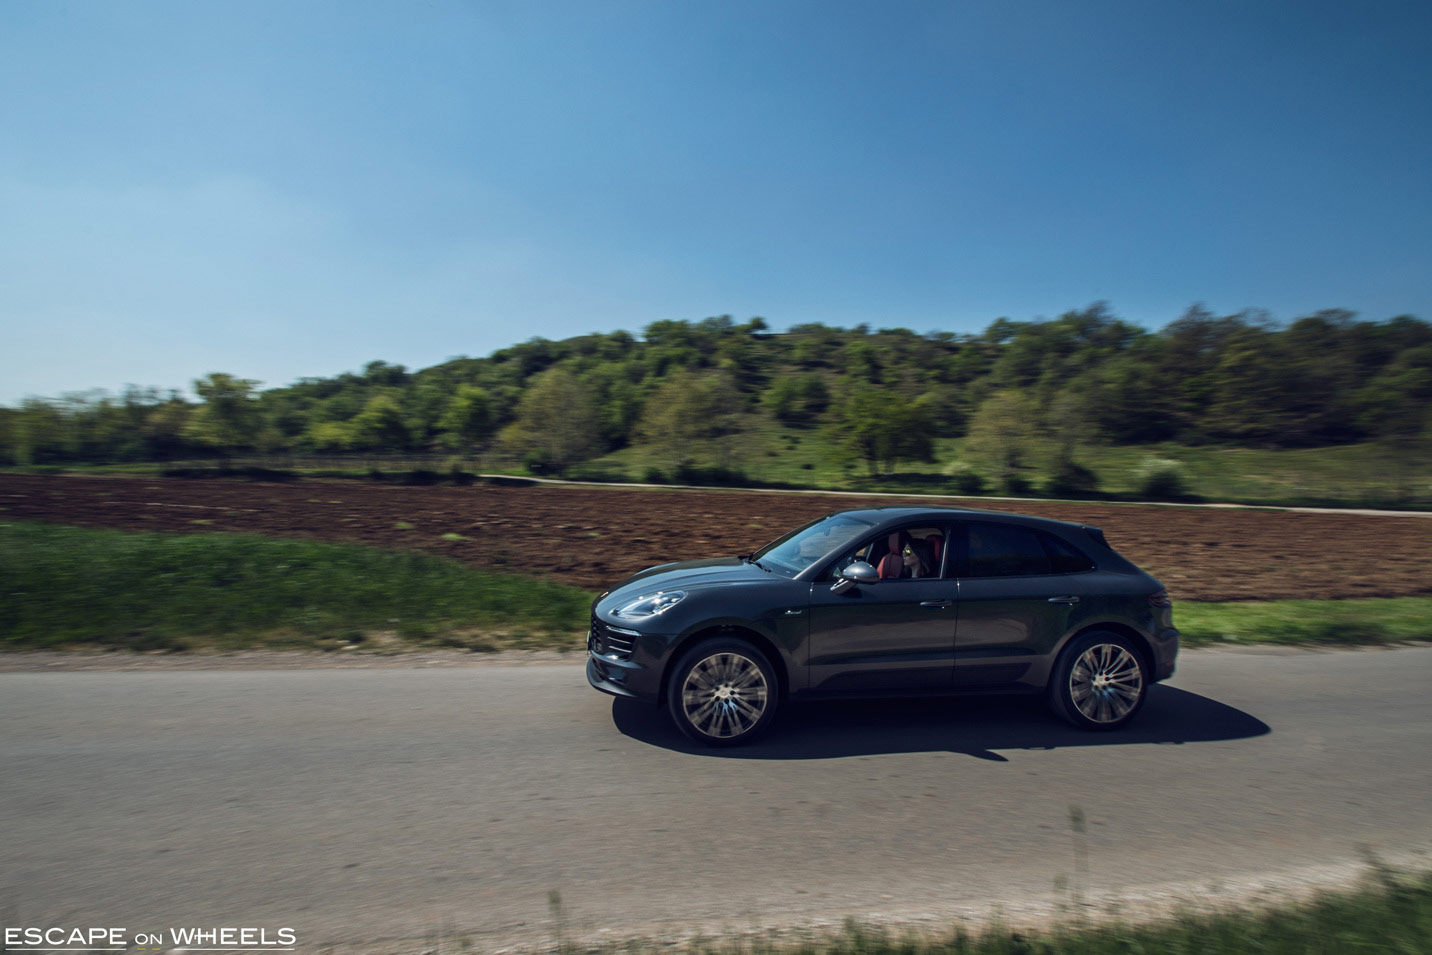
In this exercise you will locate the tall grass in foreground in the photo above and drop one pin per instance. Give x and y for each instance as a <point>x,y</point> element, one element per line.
<point>1392,914</point>
<point>68,585</point>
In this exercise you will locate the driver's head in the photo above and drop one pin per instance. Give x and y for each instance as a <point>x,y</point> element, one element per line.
<point>916,558</point>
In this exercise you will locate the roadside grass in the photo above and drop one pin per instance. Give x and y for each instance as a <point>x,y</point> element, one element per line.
<point>72,587</point>
<point>1361,622</point>
<point>1390,913</point>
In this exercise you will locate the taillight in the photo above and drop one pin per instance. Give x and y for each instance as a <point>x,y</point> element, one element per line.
<point>1159,598</point>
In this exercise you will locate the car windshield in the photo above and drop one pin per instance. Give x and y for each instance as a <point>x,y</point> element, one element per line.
<point>804,546</point>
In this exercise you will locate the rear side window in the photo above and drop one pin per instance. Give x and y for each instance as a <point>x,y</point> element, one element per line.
<point>1063,558</point>
<point>1003,550</point>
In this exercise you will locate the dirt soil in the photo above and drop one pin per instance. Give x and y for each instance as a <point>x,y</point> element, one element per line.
<point>592,537</point>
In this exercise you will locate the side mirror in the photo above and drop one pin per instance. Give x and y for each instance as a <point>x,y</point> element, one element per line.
<point>857,573</point>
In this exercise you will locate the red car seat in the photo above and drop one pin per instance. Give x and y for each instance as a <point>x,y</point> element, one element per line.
<point>937,547</point>
<point>892,565</point>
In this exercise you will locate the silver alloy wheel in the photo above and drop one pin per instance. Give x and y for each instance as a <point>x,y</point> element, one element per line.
<point>724,695</point>
<point>1106,683</point>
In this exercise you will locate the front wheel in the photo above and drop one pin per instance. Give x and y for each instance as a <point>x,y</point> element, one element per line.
<point>1099,682</point>
<point>723,692</point>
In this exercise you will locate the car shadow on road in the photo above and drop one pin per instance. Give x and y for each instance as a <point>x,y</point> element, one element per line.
<point>974,726</point>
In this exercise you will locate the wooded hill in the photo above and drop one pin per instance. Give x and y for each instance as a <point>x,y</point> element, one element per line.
<point>689,391</point>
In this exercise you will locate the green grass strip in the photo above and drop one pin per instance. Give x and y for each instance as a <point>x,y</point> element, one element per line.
<point>63,586</point>
<point>67,586</point>
<point>1306,622</point>
<point>1391,914</point>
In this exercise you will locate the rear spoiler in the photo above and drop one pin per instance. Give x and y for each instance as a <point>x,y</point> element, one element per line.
<point>1109,556</point>
<point>1098,535</point>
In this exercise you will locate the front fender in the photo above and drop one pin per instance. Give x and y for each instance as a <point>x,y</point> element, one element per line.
<point>781,627</point>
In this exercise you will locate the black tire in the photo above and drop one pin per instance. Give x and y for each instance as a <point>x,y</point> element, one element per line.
<point>1107,668</point>
<point>723,692</point>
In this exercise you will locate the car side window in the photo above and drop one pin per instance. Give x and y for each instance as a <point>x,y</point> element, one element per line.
<point>1065,558</point>
<point>1004,550</point>
<point>849,557</point>
<point>907,553</point>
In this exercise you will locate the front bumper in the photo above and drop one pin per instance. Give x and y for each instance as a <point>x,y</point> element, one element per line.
<point>608,676</point>
<point>636,675</point>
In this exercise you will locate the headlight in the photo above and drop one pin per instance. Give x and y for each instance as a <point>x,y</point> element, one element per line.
<point>651,604</point>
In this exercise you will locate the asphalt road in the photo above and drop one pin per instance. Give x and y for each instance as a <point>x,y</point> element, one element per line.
<point>374,806</point>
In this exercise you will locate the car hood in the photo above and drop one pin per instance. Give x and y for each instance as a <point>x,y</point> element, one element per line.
<point>682,575</point>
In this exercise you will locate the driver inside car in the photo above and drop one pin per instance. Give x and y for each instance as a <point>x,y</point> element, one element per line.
<point>917,558</point>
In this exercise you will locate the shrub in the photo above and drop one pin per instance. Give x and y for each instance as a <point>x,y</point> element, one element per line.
<point>1161,479</point>
<point>1017,484</point>
<point>969,482</point>
<point>599,475</point>
<point>456,474</point>
<point>1071,479</point>
<point>538,461</point>
<point>711,477</point>
<point>251,473</point>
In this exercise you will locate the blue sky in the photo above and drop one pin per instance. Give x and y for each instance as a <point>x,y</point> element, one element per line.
<point>279,189</point>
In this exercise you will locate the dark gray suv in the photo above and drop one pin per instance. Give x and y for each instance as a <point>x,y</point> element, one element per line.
<point>884,602</point>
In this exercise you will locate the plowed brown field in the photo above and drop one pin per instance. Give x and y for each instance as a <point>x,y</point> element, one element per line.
<point>592,537</point>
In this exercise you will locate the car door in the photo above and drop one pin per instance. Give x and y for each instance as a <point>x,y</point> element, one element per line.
<point>894,635</point>
<point>1013,607</point>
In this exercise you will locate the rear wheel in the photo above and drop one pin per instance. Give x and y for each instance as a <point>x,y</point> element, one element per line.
<point>723,692</point>
<point>1100,681</point>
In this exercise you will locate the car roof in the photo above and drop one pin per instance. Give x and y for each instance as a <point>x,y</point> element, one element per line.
<point>896,514</point>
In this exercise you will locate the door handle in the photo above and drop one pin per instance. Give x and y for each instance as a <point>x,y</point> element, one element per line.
<point>936,603</point>
<point>1064,600</point>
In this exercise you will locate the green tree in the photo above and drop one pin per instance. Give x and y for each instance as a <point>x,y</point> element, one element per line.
<point>230,417</point>
<point>862,361</point>
<point>380,426</point>
<point>883,428</point>
<point>1258,393</point>
<point>385,375</point>
<point>9,424</point>
<point>618,396</point>
<point>1396,408</point>
<point>468,420</point>
<point>947,409</point>
<point>557,422</point>
<point>686,411</point>
<point>1003,435</point>
<point>797,400</point>
<point>164,428</point>
<point>328,437</point>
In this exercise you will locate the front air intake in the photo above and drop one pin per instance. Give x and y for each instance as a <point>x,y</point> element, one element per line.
<point>610,642</point>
